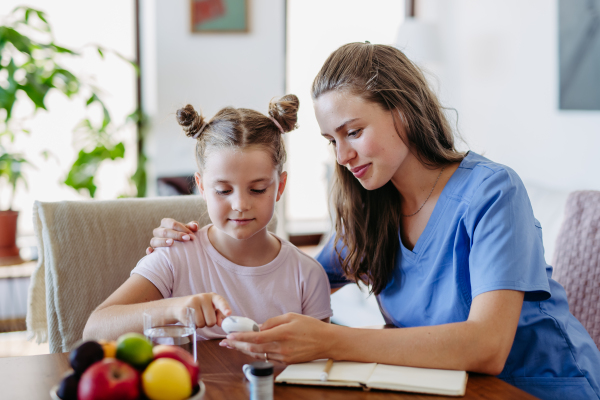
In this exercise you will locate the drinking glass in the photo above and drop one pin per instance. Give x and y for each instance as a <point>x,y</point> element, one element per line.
<point>160,327</point>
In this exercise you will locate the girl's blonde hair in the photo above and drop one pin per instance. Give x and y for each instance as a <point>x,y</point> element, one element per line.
<point>368,221</point>
<point>242,128</point>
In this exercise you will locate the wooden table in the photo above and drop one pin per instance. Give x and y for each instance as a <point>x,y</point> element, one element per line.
<point>32,377</point>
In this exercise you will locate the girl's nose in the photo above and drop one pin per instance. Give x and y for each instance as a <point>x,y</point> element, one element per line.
<point>240,203</point>
<point>344,153</point>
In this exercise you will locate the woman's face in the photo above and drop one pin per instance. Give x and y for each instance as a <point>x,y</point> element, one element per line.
<point>363,135</point>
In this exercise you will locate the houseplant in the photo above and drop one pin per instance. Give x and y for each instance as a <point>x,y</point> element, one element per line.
<point>31,63</point>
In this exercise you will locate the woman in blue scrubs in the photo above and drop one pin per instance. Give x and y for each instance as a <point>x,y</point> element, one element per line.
<point>448,241</point>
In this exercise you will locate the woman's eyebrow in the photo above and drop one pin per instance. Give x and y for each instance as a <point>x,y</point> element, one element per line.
<point>339,128</point>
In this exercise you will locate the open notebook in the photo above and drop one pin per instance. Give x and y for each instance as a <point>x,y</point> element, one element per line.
<point>378,376</point>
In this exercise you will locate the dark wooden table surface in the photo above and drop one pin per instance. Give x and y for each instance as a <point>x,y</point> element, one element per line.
<point>32,377</point>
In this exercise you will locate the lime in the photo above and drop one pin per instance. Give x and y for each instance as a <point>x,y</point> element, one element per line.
<point>134,349</point>
<point>166,379</point>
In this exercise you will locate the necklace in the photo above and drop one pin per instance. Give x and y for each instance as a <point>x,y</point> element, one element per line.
<point>436,181</point>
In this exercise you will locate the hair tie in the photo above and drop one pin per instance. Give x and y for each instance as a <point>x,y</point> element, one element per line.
<point>277,124</point>
<point>200,130</point>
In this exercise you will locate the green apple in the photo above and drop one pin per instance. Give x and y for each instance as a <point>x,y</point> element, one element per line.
<point>134,349</point>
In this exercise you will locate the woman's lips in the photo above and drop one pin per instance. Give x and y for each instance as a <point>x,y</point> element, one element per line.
<point>241,221</point>
<point>360,171</point>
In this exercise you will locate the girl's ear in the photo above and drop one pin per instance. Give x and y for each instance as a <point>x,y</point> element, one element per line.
<point>282,182</point>
<point>198,179</point>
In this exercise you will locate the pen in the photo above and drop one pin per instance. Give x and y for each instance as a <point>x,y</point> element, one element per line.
<point>325,373</point>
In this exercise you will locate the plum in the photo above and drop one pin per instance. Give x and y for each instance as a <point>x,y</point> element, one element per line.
<point>68,386</point>
<point>84,355</point>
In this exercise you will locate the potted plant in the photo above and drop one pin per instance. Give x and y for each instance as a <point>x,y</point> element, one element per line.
<point>30,63</point>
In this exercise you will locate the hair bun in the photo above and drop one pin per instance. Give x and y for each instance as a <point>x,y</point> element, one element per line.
<point>285,111</point>
<point>190,120</point>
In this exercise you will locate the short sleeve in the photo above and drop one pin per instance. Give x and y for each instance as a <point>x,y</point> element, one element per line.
<point>157,268</point>
<point>331,263</point>
<point>316,292</point>
<point>506,243</point>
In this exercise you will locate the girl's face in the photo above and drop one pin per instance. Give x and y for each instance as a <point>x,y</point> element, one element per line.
<point>241,188</point>
<point>364,136</point>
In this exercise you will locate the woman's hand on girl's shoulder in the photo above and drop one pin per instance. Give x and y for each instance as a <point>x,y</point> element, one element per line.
<point>211,308</point>
<point>289,338</point>
<point>170,230</point>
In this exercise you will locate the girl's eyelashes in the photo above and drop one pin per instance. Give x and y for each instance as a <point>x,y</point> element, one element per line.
<point>226,192</point>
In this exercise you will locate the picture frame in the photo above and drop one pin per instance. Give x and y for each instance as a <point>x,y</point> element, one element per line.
<point>219,16</point>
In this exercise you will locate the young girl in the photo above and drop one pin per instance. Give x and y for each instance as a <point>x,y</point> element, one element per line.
<point>233,266</point>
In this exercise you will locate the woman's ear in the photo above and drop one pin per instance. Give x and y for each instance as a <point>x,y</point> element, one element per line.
<point>282,182</point>
<point>198,179</point>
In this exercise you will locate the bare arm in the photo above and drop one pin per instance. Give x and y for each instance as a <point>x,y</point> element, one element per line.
<point>479,344</point>
<point>122,311</point>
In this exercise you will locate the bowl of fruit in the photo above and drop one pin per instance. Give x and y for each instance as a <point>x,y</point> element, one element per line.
<point>129,369</point>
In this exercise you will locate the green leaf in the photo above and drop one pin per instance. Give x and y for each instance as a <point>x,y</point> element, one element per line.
<point>21,42</point>
<point>60,49</point>
<point>42,16</point>
<point>35,93</point>
<point>100,51</point>
<point>92,99</point>
<point>82,172</point>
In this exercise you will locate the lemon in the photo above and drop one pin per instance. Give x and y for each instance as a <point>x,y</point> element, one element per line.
<point>134,349</point>
<point>166,379</point>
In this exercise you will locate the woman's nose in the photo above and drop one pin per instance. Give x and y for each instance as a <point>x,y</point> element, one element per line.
<point>344,153</point>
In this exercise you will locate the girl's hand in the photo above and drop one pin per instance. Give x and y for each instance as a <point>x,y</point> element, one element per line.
<point>211,308</point>
<point>290,338</point>
<point>170,230</point>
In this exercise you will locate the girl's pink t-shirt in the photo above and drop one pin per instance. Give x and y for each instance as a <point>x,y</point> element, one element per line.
<point>292,282</point>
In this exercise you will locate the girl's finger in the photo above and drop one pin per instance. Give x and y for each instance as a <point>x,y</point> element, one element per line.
<point>221,304</point>
<point>149,250</point>
<point>210,314</point>
<point>200,322</point>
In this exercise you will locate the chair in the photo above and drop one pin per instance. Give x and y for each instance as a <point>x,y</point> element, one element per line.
<point>87,250</point>
<point>577,259</point>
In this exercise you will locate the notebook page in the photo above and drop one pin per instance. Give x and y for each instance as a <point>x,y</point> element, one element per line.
<point>310,371</point>
<point>351,371</point>
<point>343,371</point>
<point>413,378</point>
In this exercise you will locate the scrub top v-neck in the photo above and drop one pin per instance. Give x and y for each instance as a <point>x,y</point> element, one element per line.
<point>482,236</point>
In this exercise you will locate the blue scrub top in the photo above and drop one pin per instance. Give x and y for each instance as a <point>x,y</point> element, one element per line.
<point>482,236</point>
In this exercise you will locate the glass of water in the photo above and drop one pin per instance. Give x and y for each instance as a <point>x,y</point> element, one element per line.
<point>172,326</point>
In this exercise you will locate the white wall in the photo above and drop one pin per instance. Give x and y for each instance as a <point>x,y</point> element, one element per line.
<point>209,71</point>
<point>500,72</point>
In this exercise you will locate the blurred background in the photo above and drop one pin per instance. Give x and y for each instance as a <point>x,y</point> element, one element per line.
<point>520,79</point>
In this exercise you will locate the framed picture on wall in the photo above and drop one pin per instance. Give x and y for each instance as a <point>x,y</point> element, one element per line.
<point>219,16</point>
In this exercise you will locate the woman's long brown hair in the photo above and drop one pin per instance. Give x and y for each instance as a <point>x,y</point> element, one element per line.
<point>368,221</point>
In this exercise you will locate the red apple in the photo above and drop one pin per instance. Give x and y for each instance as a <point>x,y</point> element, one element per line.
<point>179,354</point>
<point>109,379</point>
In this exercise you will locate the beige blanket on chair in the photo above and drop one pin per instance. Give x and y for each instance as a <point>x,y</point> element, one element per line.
<point>86,250</point>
